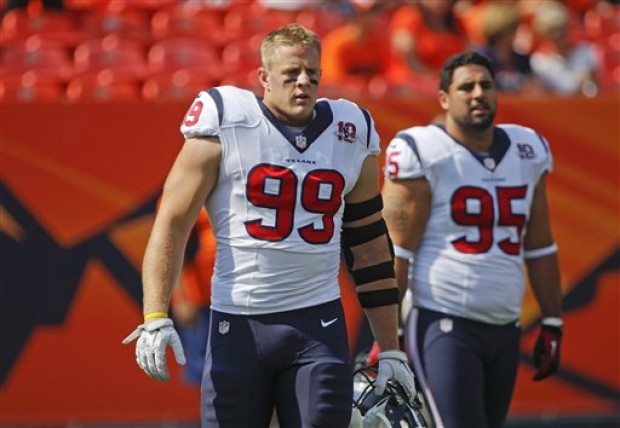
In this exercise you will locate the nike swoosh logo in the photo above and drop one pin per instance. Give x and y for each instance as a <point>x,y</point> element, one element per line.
<point>328,323</point>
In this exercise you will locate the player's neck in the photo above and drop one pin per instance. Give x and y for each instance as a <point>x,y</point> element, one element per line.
<point>286,119</point>
<point>478,140</point>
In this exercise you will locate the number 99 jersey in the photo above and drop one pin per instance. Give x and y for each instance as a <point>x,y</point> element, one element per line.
<point>277,207</point>
<point>470,259</point>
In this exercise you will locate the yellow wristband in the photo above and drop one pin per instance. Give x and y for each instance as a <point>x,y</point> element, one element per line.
<point>155,315</point>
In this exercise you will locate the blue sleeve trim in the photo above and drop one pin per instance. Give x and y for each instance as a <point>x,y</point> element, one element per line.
<point>219,104</point>
<point>543,142</point>
<point>411,143</point>
<point>368,125</point>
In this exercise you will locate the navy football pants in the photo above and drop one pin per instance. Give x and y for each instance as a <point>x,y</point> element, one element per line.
<point>297,362</point>
<point>469,367</point>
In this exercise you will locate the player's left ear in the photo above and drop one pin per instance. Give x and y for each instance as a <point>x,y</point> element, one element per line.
<point>263,78</point>
<point>442,97</point>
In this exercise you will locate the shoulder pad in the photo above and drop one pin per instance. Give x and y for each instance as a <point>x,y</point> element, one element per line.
<point>217,108</point>
<point>530,145</point>
<point>354,123</point>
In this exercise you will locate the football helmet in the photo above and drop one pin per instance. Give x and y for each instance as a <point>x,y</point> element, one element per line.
<point>392,409</point>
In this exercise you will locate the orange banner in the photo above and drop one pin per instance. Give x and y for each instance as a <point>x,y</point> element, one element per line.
<point>79,186</point>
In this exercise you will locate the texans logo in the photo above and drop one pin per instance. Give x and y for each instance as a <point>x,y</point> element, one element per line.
<point>39,277</point>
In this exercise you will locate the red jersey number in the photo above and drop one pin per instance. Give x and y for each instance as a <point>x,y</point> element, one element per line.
<point>391,166</point>
<point>193,114</point>
<point>484,218</point>
<point>275,187</point>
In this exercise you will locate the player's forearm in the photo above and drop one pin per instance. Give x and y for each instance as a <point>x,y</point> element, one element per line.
<point>544,275</point>
<point>383,321</point>
<point>163,260</point>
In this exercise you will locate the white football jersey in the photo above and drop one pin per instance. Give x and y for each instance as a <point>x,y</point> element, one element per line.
<point>277,207</point>
<point>470,259</point>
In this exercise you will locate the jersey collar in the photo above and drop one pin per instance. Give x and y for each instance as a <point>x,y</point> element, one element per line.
<point>490,160</point>
<point>302,140</point>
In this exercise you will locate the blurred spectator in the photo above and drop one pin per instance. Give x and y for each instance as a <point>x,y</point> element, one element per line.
<point>471,13</point>
<point>513,72</point>
<point>423,34</point>
<point>288,4</point>
<point>564,66</point>
<point>209,4</point>
<point>356,50</point>
<point>576,8</point>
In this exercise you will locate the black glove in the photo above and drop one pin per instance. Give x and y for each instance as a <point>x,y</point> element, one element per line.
<point>547,348</point>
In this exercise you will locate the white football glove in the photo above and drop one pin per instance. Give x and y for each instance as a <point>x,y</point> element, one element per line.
<point>393,365</point>
<point>153,339</point>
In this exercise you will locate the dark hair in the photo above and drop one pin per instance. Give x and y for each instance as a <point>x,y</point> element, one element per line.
<point>459,60</point>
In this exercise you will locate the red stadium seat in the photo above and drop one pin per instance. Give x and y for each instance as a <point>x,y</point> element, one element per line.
<point>320,21</point>
<point>30,87</point>
<point>242,55</point>
<point>103,86</point>
<point>14,26</point>
<point>117,6</point>
<point>86,5</point>
<point>609,54</point>
<point>145,5</point>
<point>35,53</point>
<point>602,22</point>
<point>52,26</point>
<point>244,21</point>
<point>130,24</point>
<point>183,53</point>
<point>180,85</point>
<point>124,57</point>
<point>189,22</point>
<point>247,79</point>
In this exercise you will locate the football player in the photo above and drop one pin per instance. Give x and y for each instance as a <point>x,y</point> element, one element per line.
<point>286,179</point>
<point>466,207</point>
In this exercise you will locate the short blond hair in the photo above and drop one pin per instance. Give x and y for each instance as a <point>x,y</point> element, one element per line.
<point>289,35</point>
<point>550,16</point>
<point>498,19</point>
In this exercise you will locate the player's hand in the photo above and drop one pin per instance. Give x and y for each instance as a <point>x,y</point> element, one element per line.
<point>372,359</point>
<point>393,365</point>
<point>154,337</point>
<point>547,349</point>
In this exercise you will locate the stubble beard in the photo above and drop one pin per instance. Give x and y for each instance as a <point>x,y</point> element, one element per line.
<point>476,125</point>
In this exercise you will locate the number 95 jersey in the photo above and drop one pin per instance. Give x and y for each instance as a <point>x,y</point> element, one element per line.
<point>469,261</point>
<point>277,207</point>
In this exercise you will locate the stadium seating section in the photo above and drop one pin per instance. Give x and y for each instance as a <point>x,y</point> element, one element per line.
<point>153,50</point>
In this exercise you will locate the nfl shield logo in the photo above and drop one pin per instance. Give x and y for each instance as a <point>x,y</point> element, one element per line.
<point>489,163</point>
<point>300,141</point>
<point>224,326</point>
<point>445,325</point>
